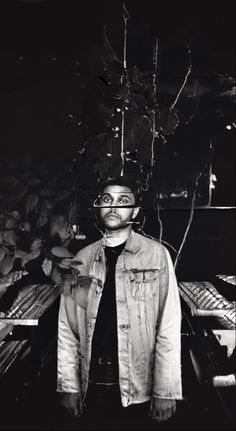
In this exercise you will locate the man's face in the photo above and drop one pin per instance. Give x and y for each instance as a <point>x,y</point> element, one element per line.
<point>116,215</point>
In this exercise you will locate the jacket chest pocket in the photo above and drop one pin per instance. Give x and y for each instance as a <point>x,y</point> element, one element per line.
<point>144,284</point>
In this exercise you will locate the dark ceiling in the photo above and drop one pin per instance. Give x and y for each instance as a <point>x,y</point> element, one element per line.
<point>48,48</point>
<point>34,32</point>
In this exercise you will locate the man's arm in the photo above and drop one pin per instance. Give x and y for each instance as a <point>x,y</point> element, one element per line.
<point>167,382</point>
<point>68,358</point>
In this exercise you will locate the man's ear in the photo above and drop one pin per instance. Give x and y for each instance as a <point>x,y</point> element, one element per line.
<point>135,212</point>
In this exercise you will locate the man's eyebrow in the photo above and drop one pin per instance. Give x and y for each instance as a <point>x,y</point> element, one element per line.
<point>106,194</point>
<point>122,195</point>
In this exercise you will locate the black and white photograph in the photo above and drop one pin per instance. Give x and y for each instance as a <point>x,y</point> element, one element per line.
<point>117,215</point>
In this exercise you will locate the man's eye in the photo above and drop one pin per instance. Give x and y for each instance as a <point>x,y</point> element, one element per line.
<point>106,199</point>
<point>124,201</point>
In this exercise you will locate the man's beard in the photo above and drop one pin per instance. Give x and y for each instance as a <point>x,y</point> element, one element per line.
<point>121,224</point>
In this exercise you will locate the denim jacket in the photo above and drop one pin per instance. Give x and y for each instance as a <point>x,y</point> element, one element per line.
<point>148,322</point>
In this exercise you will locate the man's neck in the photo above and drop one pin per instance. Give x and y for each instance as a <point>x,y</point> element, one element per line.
<point>117,237</point>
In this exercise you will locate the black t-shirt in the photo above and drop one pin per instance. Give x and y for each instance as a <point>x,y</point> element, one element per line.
<point>104,342</point>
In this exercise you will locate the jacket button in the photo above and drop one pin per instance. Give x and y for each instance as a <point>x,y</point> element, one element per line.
<point>124,326</point>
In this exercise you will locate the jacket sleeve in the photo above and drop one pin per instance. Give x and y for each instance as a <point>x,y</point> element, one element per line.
<point>67,348</point>
<point>167,381</point>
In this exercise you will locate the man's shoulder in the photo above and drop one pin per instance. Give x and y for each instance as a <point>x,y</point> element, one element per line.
<point>90,249</point>
<point>149,250</point>
<point>149,241</point>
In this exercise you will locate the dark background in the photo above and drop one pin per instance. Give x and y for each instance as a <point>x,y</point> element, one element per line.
<point>50,64</point>
<point>49,49</point>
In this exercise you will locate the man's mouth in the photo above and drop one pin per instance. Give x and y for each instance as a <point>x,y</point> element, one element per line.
<point>112,215</point>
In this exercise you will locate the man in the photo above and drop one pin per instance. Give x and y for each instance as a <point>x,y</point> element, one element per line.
<point>119,328</point>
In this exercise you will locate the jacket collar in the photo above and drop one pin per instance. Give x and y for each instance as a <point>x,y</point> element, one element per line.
<point>132,245</point>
